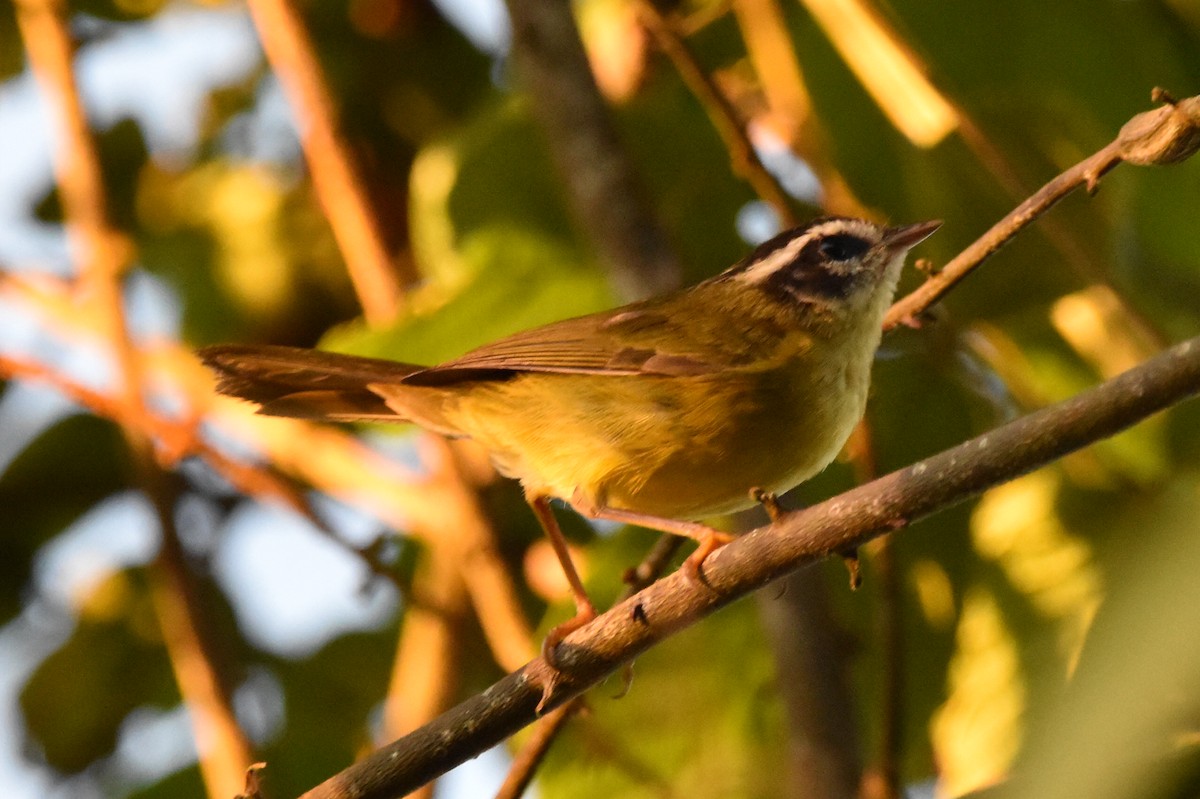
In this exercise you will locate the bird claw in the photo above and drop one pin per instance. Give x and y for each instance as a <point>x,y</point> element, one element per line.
<point>713,541</point>
<point>850,558</point>
<point>769,501</point>
<point>626,680</point>
<point>583,615</point>
<point>548,686</point>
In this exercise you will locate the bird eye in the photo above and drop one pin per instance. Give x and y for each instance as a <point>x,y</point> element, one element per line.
<point>843,247</point>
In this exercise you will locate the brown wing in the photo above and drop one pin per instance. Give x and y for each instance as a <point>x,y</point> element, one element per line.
<point>627,341</point>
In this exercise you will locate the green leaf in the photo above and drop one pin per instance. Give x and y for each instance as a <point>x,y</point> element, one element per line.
<point>524,281</point>
<point>60,475</point>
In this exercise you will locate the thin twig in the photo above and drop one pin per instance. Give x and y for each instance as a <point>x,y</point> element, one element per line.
<point>1165,135</point>
<point>751,561</point>
<point>653,564</point>
<point>1060,236</point>
<point>177,442</point>
<point>723,116</point>
<point>335,179</point>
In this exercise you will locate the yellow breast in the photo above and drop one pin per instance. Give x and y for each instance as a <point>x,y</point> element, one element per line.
<point>679,447</point>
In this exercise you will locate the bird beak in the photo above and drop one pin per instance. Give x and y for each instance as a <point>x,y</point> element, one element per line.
<point>906,237</point>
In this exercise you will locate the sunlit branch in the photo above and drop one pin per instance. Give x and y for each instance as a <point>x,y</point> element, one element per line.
<point>328,459</point>
<point>176,441</point>
<point>882,63</point>
<point>487,578</point>
<point>357,229</point>
<point>773,54</point>
<point>1165,135</point>
<point>335,179</point>
<point>101,252</point>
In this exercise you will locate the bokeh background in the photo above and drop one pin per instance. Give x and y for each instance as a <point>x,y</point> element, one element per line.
<point>185,589</point>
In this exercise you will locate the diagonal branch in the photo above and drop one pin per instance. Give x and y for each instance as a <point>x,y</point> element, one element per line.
<point>797,539</point>
<point>1167,135</point>
<point>337,182</point>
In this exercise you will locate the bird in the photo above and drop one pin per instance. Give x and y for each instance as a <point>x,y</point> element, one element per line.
<point>660,413</point>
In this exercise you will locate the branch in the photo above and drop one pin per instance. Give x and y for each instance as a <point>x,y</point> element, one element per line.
<point>102,254</point>
<point>721,113</point>
<point>789,109</point>
<point>886,68</point>
<point>1167,135</point>
<point>797,539</point>
<point>476,549</point>
<point>177,441</point>
<point>337,184</point>
<point>595,168</point>
<point>330,460</point>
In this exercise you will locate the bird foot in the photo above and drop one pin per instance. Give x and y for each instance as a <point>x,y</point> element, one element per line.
<point>710,543</point>
<point>769,502</point>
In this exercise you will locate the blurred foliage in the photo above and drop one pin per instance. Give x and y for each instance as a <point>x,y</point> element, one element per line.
<point>714,727</point>
<point>43,493</point>
<point>75,713</point>
<point>1003,601</point>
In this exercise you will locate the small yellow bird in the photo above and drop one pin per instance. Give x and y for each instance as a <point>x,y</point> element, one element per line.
<point>658,413</point>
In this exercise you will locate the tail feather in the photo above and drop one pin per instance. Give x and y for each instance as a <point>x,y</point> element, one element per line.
<point>307,384</point>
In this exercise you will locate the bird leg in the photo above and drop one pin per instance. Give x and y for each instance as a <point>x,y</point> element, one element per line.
<point>585,611</point>
<point>710,540</point>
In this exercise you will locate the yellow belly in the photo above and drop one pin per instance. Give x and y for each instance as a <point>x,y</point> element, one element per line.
<point>675,447</point>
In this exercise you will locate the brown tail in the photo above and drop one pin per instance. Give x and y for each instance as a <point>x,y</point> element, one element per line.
<point>305,384</point>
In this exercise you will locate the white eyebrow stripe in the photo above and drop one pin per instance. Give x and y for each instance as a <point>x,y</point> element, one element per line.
<point>771,264</point>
